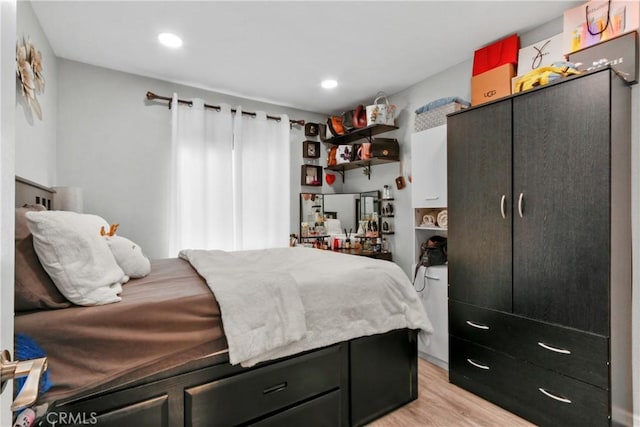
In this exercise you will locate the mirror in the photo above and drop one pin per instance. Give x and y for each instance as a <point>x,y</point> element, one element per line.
<point>330,214</point>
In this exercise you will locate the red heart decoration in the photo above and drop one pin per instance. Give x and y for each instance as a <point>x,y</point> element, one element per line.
<point>330,178</point>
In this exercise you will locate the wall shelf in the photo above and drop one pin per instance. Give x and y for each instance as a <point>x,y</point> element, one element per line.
<point>341,168</point>
<point>364,133</point>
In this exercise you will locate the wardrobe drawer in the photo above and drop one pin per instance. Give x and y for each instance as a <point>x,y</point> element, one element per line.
<point>570,352</point>
<point>479,325</point>
<point>540,395</point>
<point>247,396</point>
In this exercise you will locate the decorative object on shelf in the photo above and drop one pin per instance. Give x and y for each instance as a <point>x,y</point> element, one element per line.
<point>442,218</point>
<point>381,112</point>
<point>330,178</point>
<point>386,192</point>
<point>311,175</point>
<point>400,183</point>
<point>386,227</point>
<point>311,149</point>
<point>344,154</point>
<point>428,221</point>
<point>29,73</point>
<point>387,209</point>
<point>311,129</point>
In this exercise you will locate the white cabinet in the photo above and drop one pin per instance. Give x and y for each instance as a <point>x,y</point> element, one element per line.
<point>431,284</point>
<point>429,197</point>
<point>429,168</point>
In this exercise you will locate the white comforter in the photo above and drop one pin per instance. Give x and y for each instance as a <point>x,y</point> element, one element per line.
<point>278,302</point>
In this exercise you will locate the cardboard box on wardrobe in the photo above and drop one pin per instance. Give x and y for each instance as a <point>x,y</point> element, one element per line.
<point>492,84</point>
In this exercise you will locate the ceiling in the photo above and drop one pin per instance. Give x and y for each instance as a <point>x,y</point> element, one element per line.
<point>279,52</point>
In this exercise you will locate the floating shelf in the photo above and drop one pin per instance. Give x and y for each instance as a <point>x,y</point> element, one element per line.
<point>361,164</point>
<point>364,133</point>
<point>433,228</point>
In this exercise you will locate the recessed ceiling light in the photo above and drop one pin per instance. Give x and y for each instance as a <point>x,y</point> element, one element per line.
<point>329,84</point>
<point>169,40</point>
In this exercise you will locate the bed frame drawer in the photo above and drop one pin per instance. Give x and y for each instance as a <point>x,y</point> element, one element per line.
<point>570,352</point>
<point>323,411</point>
<point>154,412</point>
<point>540,395</point>
<point>251,395</point>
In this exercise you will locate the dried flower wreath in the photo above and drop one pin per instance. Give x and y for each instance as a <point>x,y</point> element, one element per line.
<point>29,71</point>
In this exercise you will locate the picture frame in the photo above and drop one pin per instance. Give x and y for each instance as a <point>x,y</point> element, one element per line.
<point>311,149</point>
<point>311,175</point>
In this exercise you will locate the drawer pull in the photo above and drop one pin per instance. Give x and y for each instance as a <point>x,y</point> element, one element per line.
<point>553,396</point>
<point>274,389</point>
<point>555,349</point>
<point>431,277</point>
<point>477,325</point>
<point>477,365</point>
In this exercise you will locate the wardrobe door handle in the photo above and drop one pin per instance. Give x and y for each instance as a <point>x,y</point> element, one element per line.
<point>477,325</point>
<point>553,396</point>
<point>478,365</point>
<point>520,204</point>
<point>502,207</point>
<point>554,349</point>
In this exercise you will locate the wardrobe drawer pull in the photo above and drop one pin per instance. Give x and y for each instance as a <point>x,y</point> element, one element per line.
<point>432,198</point>
<point>477,325</point>
<point>431,277</point>
<point>274,389</point>
<point>553,396</point>
<point>554,349</point>
<point>477,365</point>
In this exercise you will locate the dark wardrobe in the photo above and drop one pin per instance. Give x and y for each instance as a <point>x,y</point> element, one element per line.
<point>539,248</point>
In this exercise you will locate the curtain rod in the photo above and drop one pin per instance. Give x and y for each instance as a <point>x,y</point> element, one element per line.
<point>152,96</point>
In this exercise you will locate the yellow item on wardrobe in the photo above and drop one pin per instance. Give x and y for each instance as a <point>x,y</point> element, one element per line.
<point>543,75</point>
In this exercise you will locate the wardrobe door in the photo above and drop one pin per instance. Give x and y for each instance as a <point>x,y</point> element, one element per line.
<point>561,196</point>
<point>479,195</point>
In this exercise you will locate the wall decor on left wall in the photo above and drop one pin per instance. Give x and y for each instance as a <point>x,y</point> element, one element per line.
<point>30,73</point>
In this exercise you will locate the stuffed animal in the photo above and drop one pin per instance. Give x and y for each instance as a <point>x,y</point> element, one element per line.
<point>128,255</point>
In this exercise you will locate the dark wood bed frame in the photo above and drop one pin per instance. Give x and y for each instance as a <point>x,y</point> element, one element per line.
<point>346,384</point>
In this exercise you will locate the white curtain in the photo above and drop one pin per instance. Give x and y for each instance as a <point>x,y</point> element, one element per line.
<point>201,190</point>
<point>261,181</point>
<point>230,179</point>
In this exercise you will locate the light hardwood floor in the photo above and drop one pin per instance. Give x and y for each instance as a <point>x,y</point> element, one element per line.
<point>441,404</point>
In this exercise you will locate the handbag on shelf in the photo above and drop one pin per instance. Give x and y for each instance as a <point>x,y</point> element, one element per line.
<point>381,112</point>
<point>334,123</point>
<point>432,252</point>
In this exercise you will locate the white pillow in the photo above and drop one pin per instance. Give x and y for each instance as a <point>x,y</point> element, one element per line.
<point>76,256</point>
<point>129,256</point>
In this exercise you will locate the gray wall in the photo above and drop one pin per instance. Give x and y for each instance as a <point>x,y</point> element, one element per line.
<point>35,150</point>
<point>452,82</point>
<point>116,146</point>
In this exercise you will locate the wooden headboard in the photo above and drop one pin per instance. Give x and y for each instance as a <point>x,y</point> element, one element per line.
<point>29,193</point>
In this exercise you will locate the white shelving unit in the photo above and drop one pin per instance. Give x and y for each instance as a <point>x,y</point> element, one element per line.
<point>429,197</point>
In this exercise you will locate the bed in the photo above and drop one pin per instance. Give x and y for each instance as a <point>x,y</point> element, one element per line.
<point>160,357</point>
